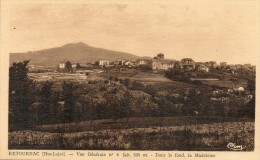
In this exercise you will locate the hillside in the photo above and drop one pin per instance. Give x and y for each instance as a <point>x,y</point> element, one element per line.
<point>74,52</point>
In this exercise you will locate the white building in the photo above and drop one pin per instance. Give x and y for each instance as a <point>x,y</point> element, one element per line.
<point>239,89</point>
<point>62,65</point>
<point>142,62</point>
<point>74,65</point>
<point>162,65</point>
<point>223,64</point>
<point>203,68</point>
<point>103,62</point>
<point>159,63</point>
<point>187,64</point>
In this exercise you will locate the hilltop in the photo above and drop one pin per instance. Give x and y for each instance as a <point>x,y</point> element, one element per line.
<point>74,52</point>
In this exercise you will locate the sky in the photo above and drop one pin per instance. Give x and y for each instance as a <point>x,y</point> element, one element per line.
<point>219,30</point>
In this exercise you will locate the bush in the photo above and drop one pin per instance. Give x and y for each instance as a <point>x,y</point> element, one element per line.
<point>138,86</point>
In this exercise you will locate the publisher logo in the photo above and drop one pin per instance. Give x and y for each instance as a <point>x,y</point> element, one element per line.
<point>235,147</point>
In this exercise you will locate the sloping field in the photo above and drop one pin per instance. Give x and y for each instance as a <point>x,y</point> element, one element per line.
<point>137,75</point>
<point>225,84</point>
<point>149,77</point>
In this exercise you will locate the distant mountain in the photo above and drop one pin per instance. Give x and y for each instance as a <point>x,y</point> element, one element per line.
<point>74,52</point>
<point>145,57</point>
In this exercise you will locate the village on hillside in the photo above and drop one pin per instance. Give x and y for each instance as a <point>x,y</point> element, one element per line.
<point>192,71</point>
<point>158,63</point>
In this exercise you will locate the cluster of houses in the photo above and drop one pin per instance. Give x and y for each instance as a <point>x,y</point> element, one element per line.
<point>62,65</point>
<point>250,67</point>
<point>240,92</point>
<point>160,63</point>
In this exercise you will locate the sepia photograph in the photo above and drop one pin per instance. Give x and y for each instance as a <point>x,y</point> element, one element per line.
<point>145,76</point>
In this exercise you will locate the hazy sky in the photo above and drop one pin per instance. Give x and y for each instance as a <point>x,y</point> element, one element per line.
<point>220,30</point>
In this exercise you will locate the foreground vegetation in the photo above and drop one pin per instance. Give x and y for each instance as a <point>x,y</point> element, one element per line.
<point>210,137</point>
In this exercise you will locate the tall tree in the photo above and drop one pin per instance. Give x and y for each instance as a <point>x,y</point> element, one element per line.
<point>127,104</point>
<point>78,66</point>
<point>68,67</point>
<point>21,96</point>
<point>49,102</point>
<point>250,109</point>
<point>251,85</point>
<point>69,94</point>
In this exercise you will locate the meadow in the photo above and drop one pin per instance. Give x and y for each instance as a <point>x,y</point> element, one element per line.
<point>135,75</point>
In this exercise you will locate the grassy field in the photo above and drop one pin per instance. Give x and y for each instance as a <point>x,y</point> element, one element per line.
<point>137,122</point>
<point>206,137</point>
<point>225,84</point>
<point>135,75</point>
<point>59,77</point>
<point>132,74</point>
